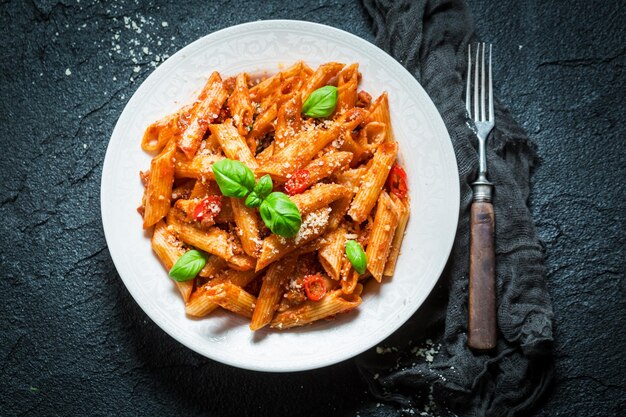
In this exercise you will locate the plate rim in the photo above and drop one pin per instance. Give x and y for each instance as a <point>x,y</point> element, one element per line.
<point>295,25</point>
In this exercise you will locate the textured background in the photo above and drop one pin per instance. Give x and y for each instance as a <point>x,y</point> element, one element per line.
<point>73,342</point>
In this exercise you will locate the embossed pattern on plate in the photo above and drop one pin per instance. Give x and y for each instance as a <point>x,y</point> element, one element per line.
<point>425,150</point>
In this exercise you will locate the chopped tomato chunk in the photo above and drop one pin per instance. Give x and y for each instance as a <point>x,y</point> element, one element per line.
<point>208,208</point>
<point>298,182</point>
<point>397,181</point>
<point>315,287</point>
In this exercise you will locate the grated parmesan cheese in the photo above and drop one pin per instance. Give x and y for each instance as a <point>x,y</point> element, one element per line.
<point>338,143</point>
<point>312,225</point>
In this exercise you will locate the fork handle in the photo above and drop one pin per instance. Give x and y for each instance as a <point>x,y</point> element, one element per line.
<point>482,291</point>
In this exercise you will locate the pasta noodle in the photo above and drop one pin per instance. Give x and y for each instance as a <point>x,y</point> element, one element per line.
<point>201,303</point>
<point>403,219</point>
<point>271,291</point>
<point>340,170</point>
<point>383,229</point>
<point>206,111</point>
<point>373,182</point>
<point>158,193</point>
<point>334,303</point>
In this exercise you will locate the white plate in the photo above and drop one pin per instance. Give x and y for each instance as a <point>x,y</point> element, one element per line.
<point>425,150</point>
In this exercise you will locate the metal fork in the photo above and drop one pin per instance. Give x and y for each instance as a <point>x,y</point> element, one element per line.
<point>482,295</point>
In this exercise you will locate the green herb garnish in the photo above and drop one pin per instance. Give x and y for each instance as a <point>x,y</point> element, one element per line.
<point>261,190</point>
<point>278,212</point>
<point>188,265</point>
<point>234,178</point>
<point>321,102</point>
<point>356,256</point>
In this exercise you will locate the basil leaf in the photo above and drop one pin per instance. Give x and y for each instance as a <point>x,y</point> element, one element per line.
<point>264,187</point>
<point>234,178</point>
<point>321,102</point>
<point>188,265</point>
<point>356,256</point>
<point>280,214</point>
<point>260,191</point>
<point>253,200</point>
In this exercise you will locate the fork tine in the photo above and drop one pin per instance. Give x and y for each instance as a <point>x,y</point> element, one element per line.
<point>476,114</point>
<point>468,99</point>
<point>491,118</point>
<point>482,87</point>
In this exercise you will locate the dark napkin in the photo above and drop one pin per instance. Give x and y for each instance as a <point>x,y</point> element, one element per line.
<point>442,375</point>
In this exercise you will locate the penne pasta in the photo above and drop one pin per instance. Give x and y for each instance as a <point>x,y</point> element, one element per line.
<point>339,210</point>
<point>379,112</point>
<point>263,125</point>
<point>348,144</point>
<point>158,193</point>
<point>331,254</point>
<point>381,236</point>
<point>350,279</point>
<point>169,249</point>
<point>198,167</point>
<point>274,247</point>
<point>233,144</point>
<point>373,182</point>
<point>214,241</point>
<point>288,121</point>
<point>200,304</point>
<point>271,292</point>
<point>320,78</point>
<point>305,146</point>
<point>263,156</point>
<point>204,112</point>
<point>267,87</point>
<point>231,297</point>
<point>371,136</point>
<point>332,304</point>
<point>351,178</point>
<point>320,196</point>
<point>166,246</point>
<point>202,189</point>
<point>325,166</point>
<point>240,104</point>
<point>310,247</point>
<point>347,82</point>
<point>160,132</point>
<point>396,243</point>
<point>213,267</point>
<point>248,228</point>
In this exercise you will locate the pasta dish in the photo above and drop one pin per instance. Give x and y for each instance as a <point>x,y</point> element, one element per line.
<point>276,197</point>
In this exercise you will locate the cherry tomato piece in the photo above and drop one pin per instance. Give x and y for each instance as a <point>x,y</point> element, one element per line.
<point>315,287</point>
<point>396,181</point>
<point>298,182</point>
<point>208,208</point>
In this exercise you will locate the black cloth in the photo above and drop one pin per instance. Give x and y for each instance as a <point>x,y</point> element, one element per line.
<point>430,38</point>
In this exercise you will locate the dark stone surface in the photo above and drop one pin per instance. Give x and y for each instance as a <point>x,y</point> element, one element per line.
<point>72,340</point>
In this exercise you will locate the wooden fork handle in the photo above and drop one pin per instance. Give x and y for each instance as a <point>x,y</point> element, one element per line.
<point>482,283</point>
